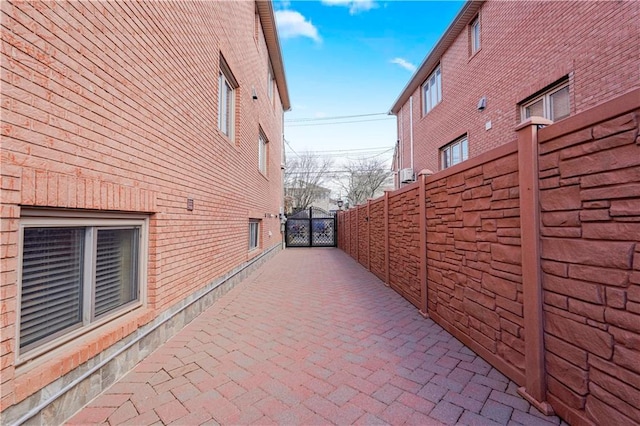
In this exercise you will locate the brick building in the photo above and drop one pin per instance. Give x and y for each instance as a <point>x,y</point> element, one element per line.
<point>499,63</point>
<point>141,176</point>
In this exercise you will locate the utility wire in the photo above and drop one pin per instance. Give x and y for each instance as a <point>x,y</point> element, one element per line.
<point>341,122</point>
<point>339,117</point>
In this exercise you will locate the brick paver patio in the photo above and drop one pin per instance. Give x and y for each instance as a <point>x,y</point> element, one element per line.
<point>312,338</point>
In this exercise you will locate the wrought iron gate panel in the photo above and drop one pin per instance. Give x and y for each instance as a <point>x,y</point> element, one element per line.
<point>324,232</point>
<point>311,228</point>
<point>298,234</point>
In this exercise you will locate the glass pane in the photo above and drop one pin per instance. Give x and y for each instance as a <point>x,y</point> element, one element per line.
<point>456,154</point>
<point>228,108</point>
<point>465,149</point>
<point>434,91</point>
<point>535,109</point>
<point>560,104</point>
<point>222,106</point>
<point>52,275</point>
<point>438,85</point>
<point>475,36</point>
<point>116,269</point>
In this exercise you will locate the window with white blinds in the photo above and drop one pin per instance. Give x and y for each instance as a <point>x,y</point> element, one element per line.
<point>72,276</point>
<point>52,276</point>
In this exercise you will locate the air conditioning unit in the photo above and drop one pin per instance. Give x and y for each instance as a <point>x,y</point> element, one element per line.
<point>406,175</point>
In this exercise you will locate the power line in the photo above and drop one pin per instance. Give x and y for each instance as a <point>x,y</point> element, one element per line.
<point>338,117</point>
<point>342,122</point>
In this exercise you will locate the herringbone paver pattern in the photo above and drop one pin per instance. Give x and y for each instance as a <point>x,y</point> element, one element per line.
<point>312,338</point>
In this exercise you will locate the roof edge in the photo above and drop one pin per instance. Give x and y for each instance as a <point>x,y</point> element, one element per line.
<point>457,26</point>
<point>268,20</point>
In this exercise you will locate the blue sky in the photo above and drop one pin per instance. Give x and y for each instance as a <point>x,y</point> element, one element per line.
<point>352,58</point>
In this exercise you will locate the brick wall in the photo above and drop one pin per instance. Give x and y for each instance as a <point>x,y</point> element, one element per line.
<point>112,107</point>
<point>585,251</point>
<point>590,201</point>
<point>525,46</point>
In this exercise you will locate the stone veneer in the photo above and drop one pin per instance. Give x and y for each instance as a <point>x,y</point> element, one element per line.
<point>469,277</point>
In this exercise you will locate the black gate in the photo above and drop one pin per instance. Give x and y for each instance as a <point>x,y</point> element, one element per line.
<point>311,228</point>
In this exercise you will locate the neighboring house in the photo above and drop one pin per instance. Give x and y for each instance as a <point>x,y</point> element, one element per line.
<point>141,153</point>
<point>499,63</point>
<point>309,195</point>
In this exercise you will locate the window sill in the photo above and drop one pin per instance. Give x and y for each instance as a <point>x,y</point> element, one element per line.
<point>78,346</point>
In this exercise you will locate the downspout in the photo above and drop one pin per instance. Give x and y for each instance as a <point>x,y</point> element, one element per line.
<point>411,128</point>
<point>400,148</point>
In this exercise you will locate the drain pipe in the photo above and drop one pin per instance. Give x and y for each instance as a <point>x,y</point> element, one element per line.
<point>411,128</point>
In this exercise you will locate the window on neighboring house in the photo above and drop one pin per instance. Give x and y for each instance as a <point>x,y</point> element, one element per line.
<point>254,234</point>
<point>76,272</point>
<point>455,152</point>
<point>227,93</point>
<point>256,24</point>
<point>262,152</point>
<point>270,83</point>
<point>553,104</point>
<point>432,90</point>
<point>474,29</point>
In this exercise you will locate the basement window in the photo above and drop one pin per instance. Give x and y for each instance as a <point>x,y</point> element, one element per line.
<point>76,273</point>
<point>254,234</point>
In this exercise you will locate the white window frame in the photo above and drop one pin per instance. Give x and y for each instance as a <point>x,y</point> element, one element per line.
<point>92,223</point>
<point>227,86</point>
<point>447,152</point>
<point>547,106</point>
<point>263,153</point>
<point>254,234</point>
<point>432,90</point>
<point>475,35</point>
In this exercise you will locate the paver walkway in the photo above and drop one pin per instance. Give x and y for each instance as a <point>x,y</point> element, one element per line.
<point>312,338</point>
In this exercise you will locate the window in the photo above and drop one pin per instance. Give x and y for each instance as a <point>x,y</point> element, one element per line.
<point>226,101</point>
<point>270,83</point>
<point>553,104</point>
<point>75,272</point>
<point>432,90</point>
<point>474,30</point>
<point>454,153</point>
<point>254,234</point>
<point>262,153</point>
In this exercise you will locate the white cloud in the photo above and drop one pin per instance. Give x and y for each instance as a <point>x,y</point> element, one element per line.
<point>355,6</point>
<point>292,24</point>
<point>404,64</point>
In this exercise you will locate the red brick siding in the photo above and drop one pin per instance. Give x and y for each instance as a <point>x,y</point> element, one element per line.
<point>525,47</point>
<point>404,241</point>
<point>377,238</point>
<point>113,107</point>
<point>590,201</point>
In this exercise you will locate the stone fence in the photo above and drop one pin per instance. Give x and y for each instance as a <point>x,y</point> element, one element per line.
<point>530,255</point>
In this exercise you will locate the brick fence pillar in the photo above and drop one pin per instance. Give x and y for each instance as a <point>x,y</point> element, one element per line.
<point>535,385</point>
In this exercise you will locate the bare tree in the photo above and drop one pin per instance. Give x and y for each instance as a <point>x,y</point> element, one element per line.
<point>303,178</point>
<point>365,178</point>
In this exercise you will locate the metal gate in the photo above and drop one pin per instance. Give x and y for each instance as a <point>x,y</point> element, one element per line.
<point>311,228</point>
